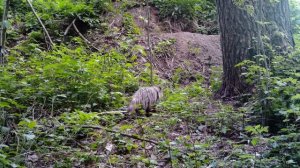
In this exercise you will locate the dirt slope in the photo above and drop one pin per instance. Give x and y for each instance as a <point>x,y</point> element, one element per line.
<point>191,52</point>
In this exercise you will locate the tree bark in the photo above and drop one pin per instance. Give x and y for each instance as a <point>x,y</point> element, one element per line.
<point>241,30</point>
<point>3,31</point>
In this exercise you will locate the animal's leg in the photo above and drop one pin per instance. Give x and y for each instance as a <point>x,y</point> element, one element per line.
<point>148,114</point>
<point>137,111</point>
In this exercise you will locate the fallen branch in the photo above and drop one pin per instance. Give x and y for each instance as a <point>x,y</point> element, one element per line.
<point>110,25</point>
<point>149,41</point>
<point>41,23</point>
<point>112,112</point>
<point>126,135</point>
<point>67,30</point>
<point>85,40</point>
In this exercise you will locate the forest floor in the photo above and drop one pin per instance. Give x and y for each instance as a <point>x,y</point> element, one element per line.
<point>204,132</point>
<point>166,139</point>
<point>70,70</point>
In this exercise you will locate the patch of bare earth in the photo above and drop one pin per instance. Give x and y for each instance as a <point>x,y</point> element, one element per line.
<point>194,52</point>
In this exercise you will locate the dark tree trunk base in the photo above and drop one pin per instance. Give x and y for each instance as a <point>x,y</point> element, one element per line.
<point>230,91</point>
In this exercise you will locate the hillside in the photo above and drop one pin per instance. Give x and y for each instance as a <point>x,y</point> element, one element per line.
<point>106,83</point>
<point>173,48</point>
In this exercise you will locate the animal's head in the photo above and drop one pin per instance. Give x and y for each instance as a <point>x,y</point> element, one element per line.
<point>159,87</point>
<point>160,91</point>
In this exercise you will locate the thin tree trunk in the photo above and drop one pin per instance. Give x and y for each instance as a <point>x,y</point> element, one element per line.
<point>149,41</point>
<point>3,31</point>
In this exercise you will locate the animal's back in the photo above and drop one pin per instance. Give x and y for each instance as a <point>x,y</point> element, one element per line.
<point>144,98</point>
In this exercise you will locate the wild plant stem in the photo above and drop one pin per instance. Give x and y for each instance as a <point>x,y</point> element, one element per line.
<point>149,41</point>
<point>41,23</point>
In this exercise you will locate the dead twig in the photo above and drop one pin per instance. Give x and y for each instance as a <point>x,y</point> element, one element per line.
<point>112,112</point>
<point>123,134</point>
<point>68,29</point>
<point>149,41</point>
<point>110,25</point>
<point>41,23</point>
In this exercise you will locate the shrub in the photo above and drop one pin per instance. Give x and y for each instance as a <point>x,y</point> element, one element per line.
<point>1,7</point>
<point>66,79</point>
<point>56,15</point>
<point>295,16</point>
<point>278,101</point>
<point>177,9</point>
<point>199,12</point>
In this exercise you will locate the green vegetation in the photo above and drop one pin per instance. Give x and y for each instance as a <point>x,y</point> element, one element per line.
<point>56,15</point>
<point>200,14</point>
<point>295,17</point>
<point>64,106</point>
<point>277,94</point>
<point>64,78</point>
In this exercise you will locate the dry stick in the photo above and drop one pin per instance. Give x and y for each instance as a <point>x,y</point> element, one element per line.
<point>170,153</point>
<point>68,29</point>
<point>110,25</point>
<point>149,42</point>
<point>85,40</point>
<point>127,135</point>
<point>112,112</point>
<point>41,23</point>
<point>18,140</point>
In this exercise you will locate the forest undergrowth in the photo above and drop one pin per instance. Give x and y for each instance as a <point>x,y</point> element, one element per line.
<point>64,105</point>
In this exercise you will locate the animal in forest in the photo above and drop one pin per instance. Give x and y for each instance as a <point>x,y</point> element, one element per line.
<point>144,98</point>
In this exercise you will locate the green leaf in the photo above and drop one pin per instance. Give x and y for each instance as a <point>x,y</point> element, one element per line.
<point>3,146</point>
<point>4,104</point>
<point>290,161</point>
<point>28,123</point>
<point>32,124</point>
<point>126,127</point>
<point>296,97</point>
<point>5,129</point>
<point>14,165</point>
<point>254,141</point>
<point>29,136</point>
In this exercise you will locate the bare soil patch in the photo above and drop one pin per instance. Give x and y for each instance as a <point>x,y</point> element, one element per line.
<point>192,53</point>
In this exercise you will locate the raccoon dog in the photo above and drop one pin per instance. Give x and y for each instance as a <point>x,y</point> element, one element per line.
<point>144,98</point>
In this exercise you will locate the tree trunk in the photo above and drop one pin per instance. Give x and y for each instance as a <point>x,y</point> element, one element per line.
<point>280,29</point>
<point>3,31</point>
<point>241,30</point>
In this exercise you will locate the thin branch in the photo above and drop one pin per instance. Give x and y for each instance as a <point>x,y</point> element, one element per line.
<point>113,112</point>
<point>149,41</point>
<point>85,40</point>
<point>123,134</point>
<point>170,154</point>
<point>40,21</point>
<point>110,25</point>
<point>68,29</point>
<point>18,140</point>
